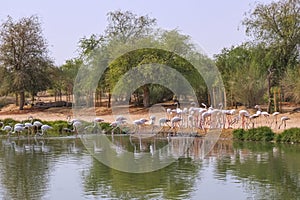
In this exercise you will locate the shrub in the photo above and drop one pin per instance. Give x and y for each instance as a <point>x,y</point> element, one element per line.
<point>238,134</point>
<point>289,135</point>
<point>256,134</point>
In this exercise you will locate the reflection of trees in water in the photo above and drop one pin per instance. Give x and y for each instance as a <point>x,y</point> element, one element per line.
<point>266,170</point>
<point>26,165</point>
<point>175,181</point>
<point>25,175</point>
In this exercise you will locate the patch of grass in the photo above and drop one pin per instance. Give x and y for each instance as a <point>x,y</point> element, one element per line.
<point>289,135</point>
<point>256,134</point>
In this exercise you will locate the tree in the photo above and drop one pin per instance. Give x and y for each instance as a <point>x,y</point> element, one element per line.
<point>124,26</point>
<point>291,84</point>
<point>23,54</point>
<point>277,25</point>
<point>132,41</point>
<point>243,70</point>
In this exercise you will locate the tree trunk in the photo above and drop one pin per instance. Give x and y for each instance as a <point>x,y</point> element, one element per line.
<point>17,99</point>
<point>146,96</point>
<point>269,91</point>
<point>32,99</point>
<point>100,97</point>
<point>109,99</point>
<point>22,100</point>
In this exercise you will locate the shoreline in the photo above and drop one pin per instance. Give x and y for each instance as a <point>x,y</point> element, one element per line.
<point>61,113</point>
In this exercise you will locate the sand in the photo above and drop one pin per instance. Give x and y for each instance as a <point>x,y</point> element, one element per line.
<point>61,113</point>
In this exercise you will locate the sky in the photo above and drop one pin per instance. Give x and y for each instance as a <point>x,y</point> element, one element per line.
<point>212,24</point>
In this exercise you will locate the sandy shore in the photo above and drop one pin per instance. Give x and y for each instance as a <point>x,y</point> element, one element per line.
<point>53,114</point>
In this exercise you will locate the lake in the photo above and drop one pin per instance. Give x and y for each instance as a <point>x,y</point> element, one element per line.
<point>69,168</point>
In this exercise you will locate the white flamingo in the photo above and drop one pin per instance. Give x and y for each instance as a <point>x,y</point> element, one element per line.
<point>152,122</point>
<point>75,123</point>
<point>243,115</point>
<point>18,129</point>
<point>115,124</point>
<point>175,121</point>
<point>275,116</point>
<point>6,128</point>
<point>45,128</point>
<point>36,124</point>
<point>283,121</point>
<point>138,123</point>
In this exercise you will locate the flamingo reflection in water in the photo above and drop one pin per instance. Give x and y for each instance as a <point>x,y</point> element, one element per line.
<point>72,148</point>
<point>118,146</point>
<point>40,146</point>
<point>17,148</point>
<point>96,148</point>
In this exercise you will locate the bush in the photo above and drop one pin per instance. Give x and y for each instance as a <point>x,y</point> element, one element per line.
<point>289,135</point>
<point>256,134</point>
<point>238,134</point>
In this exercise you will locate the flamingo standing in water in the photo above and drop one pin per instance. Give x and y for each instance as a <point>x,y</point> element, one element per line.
<point>115,124</point>
<point>138,123</point>
<point>75,123</point>
<point>6,128</point>
<point>44,129</point>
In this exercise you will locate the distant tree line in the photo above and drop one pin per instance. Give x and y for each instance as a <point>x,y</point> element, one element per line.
<point>262,70</point>
<point>265,69</point>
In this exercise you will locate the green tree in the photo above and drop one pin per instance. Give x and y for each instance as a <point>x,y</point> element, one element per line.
<point>132,41</point>
<point>23,54</point>
<point>291,84</point>
<point>277,25</point>
<point>125,26</point>
<point>243,70</point>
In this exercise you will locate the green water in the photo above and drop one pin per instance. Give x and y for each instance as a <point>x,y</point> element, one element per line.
<point>64,169</point>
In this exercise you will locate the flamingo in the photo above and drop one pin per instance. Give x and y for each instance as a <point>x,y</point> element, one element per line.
<point>96,121</point>
<point>243,114</point>
<point>175,120</point>
<point>275,114</point>
<point>163,121</point>
<point>283,121</point>
<point>36,124</point>
<point>75,123</point>
<point>45,128</point>
<point>18,129</point>
<point>253,117</point>
<point>6,128</point>
<point>139,122</point>
<point>152,122</point>
<point>229,114</point>
<point>115,124</point>
<point>29,127</point>
<point>169,113</point>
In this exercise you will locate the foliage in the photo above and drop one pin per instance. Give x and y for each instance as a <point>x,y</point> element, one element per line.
<point>124,26</point>
<point>289,135</point>
<point>291,84</point>
<point>250,70</point>
<point>23,57</point>
<point>278,26</point>
<point>239,133</point>
<point>142,69</point>
<point>256,134</point>
<point>131,41</point>
<point>244,74</point>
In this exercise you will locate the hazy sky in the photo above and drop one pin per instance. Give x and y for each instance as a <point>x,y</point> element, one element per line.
<point>212,24</point>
